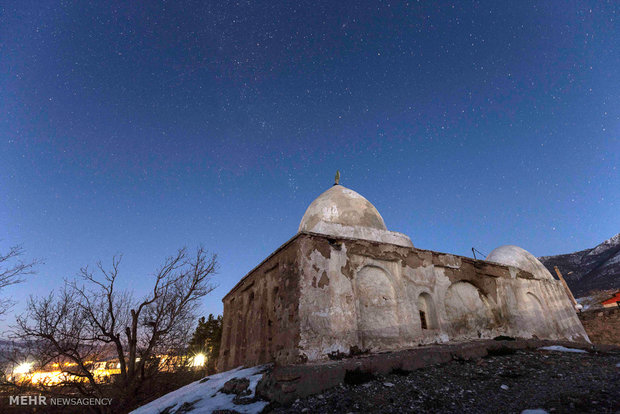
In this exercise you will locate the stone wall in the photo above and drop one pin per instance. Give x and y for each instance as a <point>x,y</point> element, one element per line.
<point>261,320</point>
<point>602,325</point>
<point>319,297</point>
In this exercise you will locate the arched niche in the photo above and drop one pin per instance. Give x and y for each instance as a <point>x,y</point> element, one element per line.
<point>535,314</point>
<point>467,309</point>
<point>377,308</point>
<point>426,310</point>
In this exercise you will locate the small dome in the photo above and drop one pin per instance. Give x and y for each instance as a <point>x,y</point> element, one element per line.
<point>342,206</point>
<point>520,258</point>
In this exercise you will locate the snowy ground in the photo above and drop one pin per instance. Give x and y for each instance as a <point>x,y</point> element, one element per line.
<point>562,349</point>
<point>204,396</point>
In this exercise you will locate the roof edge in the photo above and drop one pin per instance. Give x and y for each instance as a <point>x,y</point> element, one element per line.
<point>240,282</point>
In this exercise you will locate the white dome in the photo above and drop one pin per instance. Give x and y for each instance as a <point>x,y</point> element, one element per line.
<point>520,258</point>
<point>342,206</point>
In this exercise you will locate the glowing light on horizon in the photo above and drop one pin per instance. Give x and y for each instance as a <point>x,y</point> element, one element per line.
<point>23,368</point>
<point>198,360</point>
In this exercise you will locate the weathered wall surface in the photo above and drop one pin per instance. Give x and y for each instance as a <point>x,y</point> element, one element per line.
<point>261,320</point>
<point>602,325</point>
<point>319,297</point>
<point>358,295</point>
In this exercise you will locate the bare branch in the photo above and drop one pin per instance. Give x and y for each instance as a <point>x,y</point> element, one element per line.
<point>12,271</point>
<point>92,319</point>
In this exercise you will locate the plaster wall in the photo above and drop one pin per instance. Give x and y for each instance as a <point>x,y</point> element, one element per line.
<point>358,295</point>
<point>320,297</point>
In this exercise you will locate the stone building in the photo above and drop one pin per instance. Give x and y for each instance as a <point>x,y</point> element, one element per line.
<point>346,284</point>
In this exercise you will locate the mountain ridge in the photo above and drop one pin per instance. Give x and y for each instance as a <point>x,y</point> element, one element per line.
<point>597,268</point>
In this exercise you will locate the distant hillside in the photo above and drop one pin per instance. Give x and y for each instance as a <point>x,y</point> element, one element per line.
<point>590,269</point>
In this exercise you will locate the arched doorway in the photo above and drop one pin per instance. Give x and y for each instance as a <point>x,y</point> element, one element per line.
<point>535,314</point>
<point>426,310</point>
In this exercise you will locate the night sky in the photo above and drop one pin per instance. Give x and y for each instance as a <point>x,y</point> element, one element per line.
<point>141,127</point>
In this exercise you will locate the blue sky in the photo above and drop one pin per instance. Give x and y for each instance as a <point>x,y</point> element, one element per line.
<point>143,127</point>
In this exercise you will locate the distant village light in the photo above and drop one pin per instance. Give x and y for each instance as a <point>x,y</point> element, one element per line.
<point>23,368</point>
<point>198,360</point>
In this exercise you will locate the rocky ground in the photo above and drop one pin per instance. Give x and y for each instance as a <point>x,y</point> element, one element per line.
<point>558,382</point>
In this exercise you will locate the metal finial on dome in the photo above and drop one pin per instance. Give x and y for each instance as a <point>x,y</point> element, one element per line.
<point>337,178</point>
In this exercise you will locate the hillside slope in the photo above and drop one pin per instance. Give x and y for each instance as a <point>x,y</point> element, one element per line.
<point>590,269</point>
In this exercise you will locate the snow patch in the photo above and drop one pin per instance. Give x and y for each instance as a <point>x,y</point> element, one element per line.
<point>535,411</point>
<point>583,301</point>
<point>562,349</point>
<point>613,260</point>
<point>614,241</point>
<point>203,396</point>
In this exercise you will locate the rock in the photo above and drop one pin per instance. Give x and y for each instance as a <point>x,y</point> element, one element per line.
<point>388,384</point>
<point>238,386</point>
<point>505,387</point>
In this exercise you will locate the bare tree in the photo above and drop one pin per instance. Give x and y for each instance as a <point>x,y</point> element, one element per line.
<point>92,318</point>
<point>12,271</point>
